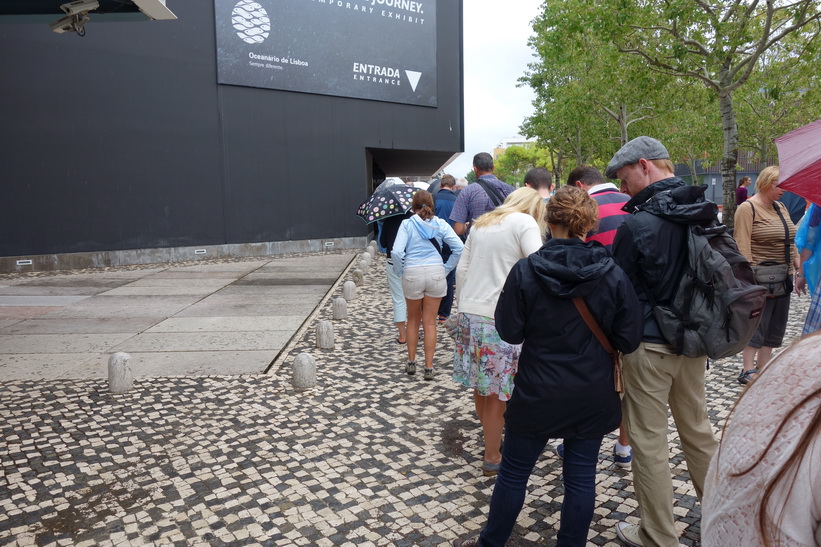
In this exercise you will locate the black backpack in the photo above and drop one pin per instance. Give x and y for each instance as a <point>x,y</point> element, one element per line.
<point>717,305</point>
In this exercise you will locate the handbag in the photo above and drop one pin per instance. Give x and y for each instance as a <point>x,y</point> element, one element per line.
<point>594,327</point>
<point>770,274</point>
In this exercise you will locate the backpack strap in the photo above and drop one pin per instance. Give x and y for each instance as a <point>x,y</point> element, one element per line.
<point>494,194</point>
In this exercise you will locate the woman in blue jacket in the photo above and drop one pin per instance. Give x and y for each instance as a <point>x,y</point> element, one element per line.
<point>417,257</point>
<point>564,387</point>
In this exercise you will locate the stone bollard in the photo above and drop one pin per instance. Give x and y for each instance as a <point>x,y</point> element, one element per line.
<point>340,308</point>
<point>371,250</point>
<point>304,371</point>
<point>374,246</point>
<point>349,290</point>
<point>120,378</point>
<point>366,257</point>
<point>364,265</point>
<point>358,276</point>
<point>325,335</point>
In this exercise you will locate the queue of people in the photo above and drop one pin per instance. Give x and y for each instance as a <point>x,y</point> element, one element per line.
<point>541,315</point>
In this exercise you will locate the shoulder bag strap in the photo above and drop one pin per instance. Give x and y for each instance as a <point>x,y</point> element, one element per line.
<point>492,193</point>
<point>594,327</point>
<point>786,235</point>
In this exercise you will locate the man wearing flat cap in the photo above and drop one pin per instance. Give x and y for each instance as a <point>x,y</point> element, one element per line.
<point>651,247</point>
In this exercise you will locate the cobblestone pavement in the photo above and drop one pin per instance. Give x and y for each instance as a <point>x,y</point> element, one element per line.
<point>370,456</point>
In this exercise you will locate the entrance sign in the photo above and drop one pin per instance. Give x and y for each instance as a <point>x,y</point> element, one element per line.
<point>383,50</point>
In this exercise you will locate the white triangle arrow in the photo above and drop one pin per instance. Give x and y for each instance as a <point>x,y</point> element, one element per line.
<point>413,78</point>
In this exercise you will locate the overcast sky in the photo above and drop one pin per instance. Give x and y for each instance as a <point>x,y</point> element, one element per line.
<point>496,55</point>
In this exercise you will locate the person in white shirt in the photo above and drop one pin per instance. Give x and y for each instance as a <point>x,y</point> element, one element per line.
<point>482,360</point>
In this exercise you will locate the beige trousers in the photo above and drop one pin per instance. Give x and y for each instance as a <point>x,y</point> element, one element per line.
<point>654,379</point>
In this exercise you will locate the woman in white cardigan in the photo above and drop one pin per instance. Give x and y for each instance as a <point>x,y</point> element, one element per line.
<point>482,360</point>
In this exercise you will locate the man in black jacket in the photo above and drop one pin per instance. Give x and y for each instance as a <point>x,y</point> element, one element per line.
<point>651,247</point>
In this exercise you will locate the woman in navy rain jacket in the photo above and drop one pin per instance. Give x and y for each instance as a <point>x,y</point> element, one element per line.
<point>564,387</point>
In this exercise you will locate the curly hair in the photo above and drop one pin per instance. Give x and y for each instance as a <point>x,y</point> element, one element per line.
<point>574,209</point>
<point>422,204</point>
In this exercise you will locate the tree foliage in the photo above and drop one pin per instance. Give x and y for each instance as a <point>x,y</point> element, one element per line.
<point>640,62</point>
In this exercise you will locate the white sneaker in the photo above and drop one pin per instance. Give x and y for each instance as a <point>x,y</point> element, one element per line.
<point>623,459</point>
<point>629,534</point>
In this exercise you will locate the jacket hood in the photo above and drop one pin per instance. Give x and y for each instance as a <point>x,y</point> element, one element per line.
<point>675,201</point>
<point>568,268</point>
<point>426,229</point>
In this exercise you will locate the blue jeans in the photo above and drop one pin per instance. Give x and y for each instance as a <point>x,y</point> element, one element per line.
<point>447,302</point>
<point>518,459</point>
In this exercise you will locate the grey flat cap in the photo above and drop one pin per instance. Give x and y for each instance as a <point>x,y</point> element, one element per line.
<point>640,147</point>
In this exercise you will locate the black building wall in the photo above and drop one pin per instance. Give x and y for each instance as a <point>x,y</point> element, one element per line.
<point>122,139</point>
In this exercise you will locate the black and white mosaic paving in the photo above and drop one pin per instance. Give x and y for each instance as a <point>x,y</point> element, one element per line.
<point>369,457</point>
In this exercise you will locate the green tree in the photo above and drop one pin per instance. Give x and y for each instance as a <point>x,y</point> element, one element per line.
<point>718,44</point>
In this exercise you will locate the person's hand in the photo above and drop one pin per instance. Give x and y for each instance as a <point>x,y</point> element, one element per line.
<point>800,285</point>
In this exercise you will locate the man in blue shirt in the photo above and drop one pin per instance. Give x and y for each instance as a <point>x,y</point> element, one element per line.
<point>480,197</point>
<point>444,200</point>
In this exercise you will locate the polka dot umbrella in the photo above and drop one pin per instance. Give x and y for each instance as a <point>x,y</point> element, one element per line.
<point>386,201</point>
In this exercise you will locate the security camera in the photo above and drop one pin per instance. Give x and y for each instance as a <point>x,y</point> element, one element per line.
<point>78,7</point>
<point>70,23</point>
<point>66,24</point>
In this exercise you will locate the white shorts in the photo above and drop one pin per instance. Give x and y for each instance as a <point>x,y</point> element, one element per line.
<point>421,281</point>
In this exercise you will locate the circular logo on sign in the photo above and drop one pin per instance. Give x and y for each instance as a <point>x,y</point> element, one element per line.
<point>251,21</point>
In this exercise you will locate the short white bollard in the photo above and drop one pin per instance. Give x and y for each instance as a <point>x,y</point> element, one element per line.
<point>349,290</point>
<point>340,308</point>
<point>325,335</point>
<point>120,378</point>
<point>364,265</point>
<point>358,276</point>
<point>371,250</point>
<point>366,257</point>
<point>304,371</point>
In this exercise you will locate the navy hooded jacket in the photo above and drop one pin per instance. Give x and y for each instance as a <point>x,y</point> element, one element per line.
<point>564,386</point>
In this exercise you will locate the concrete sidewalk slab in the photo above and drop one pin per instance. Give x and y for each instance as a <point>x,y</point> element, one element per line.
<point>101,307</point>
<point>228,324</point>
<point>250,305</point>
<point>60,343</point>
<point>199,318</point>
<point>148,342</point>
<point>32,300</point>
<point>43,366</point>
<point>79,325</point>
<point>20,313</point>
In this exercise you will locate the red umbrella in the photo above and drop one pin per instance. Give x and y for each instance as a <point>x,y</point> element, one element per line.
<point>799,161</point>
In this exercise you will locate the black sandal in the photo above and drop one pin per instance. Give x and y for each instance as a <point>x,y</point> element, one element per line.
<point>746,375</point>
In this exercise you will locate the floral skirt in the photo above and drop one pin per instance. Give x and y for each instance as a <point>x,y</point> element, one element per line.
<point>482,360</point>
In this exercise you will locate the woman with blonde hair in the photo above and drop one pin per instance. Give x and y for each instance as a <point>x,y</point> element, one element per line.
<point>417,257</point>
<point>482,360</point>
<point>764,233</point>
<point>565,383</point>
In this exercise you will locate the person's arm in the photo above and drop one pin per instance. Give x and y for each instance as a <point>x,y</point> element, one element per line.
<point>462,267</point>
<point>455,244</point>
<point>398,251</point>
<point>511,309</point>
<point>459,213</point>
<point>628,322</point>
<point>800,277</point>
<point>743,231</point>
